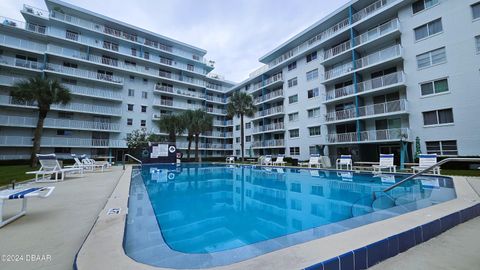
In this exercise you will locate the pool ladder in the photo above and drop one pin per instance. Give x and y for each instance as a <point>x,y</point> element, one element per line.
<point>132,157</point>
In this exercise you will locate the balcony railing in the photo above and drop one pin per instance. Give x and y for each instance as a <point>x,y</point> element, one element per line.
<point>39,29</point>
<point>22,43</point>
<point>270,111</point>
<point>268,143</point>
<point>369,110</point>
<point>16,62</point>
<point>268,96</point>
<point>94,92</point>
<point>178,91</point>
<point>272,79</point>
<point>84,73</point>
<point>337,50</point>
<point>58,123</point>
<point>222,123</point>
<point>268,127</point>
<point>218,134</point>
<point>61,142</point>
<point>214,98</point>
<point>378,31</point>
<point>370,136</point>
<point>184,145</point>
<point>371,9</point>
<point>35,11</point>
<point>181,78</point>
<point>11,80</point>
<point>375,83</point>
<point>215,110</point>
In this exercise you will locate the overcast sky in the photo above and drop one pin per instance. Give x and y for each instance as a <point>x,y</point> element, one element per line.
<point>234,32</point>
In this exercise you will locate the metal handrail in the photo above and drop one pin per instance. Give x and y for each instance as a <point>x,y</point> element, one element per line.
<point>430,168</point>
<point>132,157</point>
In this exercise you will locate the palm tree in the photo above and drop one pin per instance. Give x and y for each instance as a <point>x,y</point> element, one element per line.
<point>241,105</point>
<point>43,92</point>
<point>189,118</point>
<point>202,122</point>
<point>173,124</point>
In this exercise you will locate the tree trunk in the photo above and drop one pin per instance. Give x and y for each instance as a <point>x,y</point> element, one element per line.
<point>172,137</point>
<point>197,136</point>
<point>37,137</point>
<point>190,138</point>
<point>242,127</point>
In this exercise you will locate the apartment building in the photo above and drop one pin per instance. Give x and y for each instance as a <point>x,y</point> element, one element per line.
<point>375,76</point>
<point>121,77</point>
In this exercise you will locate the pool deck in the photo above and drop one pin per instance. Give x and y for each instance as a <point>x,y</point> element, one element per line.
<point>59,225</point>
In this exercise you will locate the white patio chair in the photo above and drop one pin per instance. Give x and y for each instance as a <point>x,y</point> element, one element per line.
<point>386,162</point>
<point>267,160</point>
<point>314,161</point>
<point>279,161</point>
<point>344,160</point>
<point>230,160</point>
<point>92,165</point>
<point>425,161</point>
<point>50,166</point>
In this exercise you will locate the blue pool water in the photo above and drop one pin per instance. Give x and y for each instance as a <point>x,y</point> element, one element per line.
<point>208,215</point>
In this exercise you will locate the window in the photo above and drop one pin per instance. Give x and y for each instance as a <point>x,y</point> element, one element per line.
<point>313,93</point>
<point>129,121</point>
<point>62,132</point>
<point>144,108</point>
<point>314,131</point>
<point>428,29</point>
<point>146,55</point>
<point>477,43</point>
<point>132,78</point>
<point>296,187</point>
<point>292,82</point>
<point>312,56</point>
<point>248,125</point>
<point>237,127</point>
<point>237,139</point>
<point>292,66</point>
<point>438,117</point>
<point>144,94</point>
<point>314,150</point>
<point>442,148</point>
<point>476,10</point>
<point>431,58</point>
<point>134,52</point>
<point>292,117</point>
<point>296,204</point>
<point>294,133</point>
<point>70,65</point>
<point>131,92</point>
<point>65,115</point>
<point>71,35</point>
<point>317,190</point>
<point>434,87</point>
<point>315,112</point>
<point>69,81</point>
<point>248,138</point>
<point>312,74</point>
<point>190,67</point>
<point>145,81</point>
<point>130,63</point>
<point>420,5</point>
<point>292,99</point>
<point>110,46</point>
<point>62,150</point>
<point>294,151</point>
<point>130,107</point>
<point>143,123</point>
<point>237,152</point>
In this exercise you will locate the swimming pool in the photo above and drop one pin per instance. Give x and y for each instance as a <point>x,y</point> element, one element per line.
<point>206,215</point>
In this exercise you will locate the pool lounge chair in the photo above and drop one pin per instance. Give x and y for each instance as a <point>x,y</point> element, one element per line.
<point>267,160</point>
<point>313,161</point>
<point>50,166</point>
<point>344,160</point>
<point>230,160</point>
<point>91,165</point>
<point>425,161</point>
<point>386,162</point>
<point>279,161</point>
<point>24,194</point>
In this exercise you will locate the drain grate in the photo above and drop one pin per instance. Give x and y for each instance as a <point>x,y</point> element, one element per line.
<point>114,211</point>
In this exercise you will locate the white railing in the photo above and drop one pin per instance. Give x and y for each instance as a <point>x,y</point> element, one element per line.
<point>375,83</point>
<point>369,110</point>
<point>273,110</point>
<point>16,62</point>
<point>217,134</point>
<point>14,157</point>
<point>272,79</point>
<point>11,80</point>
<point>268,127</point>
<point>378,31</point>
<point>370,136</point>
<point>215,110</point>
<point>61,141</point>
<point>57,123</point>
<point>39,29</point>
<point>22,43</point>
<point>337,50</point>
<point>214,98</point>
<point>184,145</point>
<point>268,96</point>
<point>84,73</point>
<point>175,90</point>
<point>338,70</point>
<point>35,11</point>
<point>371,9</point>
<point>177,77</point>
<point>268,143</point>
<point>222,123</point>
<point>93,92</point>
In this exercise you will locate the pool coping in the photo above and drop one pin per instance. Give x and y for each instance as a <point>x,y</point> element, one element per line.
<point>103,248</point>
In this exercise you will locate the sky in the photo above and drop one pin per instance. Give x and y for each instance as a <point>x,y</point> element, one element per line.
<point>236,33</point>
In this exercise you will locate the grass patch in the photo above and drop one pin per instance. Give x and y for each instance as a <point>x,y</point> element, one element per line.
<point>461,172</point>
<point>15,172</point>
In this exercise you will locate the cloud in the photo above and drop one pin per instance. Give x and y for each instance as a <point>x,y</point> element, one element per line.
<point>234,32</point>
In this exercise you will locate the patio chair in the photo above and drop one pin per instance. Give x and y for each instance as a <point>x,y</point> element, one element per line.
<point>425,161</point>
<point>344,160</point>
<point>50,166</point>
<point>386,162</point>
<point>313,161</point>
<point>77,164</point>
<point>230,159</point>
<point>279,161</point>
<point>91,165</point>
<point>267,160</point>
<point>24,194</point>
<point>325,161</point>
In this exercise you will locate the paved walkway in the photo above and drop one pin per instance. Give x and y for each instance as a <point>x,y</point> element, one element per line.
<point>58,225</point>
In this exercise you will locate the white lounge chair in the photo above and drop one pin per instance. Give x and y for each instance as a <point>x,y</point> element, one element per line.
<point>425,161</point>
<point>344,160</point>
<point>50,166</point>
<point>314,161</point>
<point>77,164</point>
<point>325,161</point>
<point>91,165</point>
<point>230,160</point>
<point>279,161</point>
<point>386,162</point>
<point>24,194</point>
<point>267,160</point>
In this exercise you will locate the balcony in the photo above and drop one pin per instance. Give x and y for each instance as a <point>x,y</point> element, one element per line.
<point>11,80</point>
<point>180,78</point>
<point>371,9</point>
<point>18,43</point>
<point>20,121</point>
<point>269,127</point>
<point>213,146</point>
<point>382,82</point>
<point>222,123</point>
<point>12,141</point>
<point>218,134</point>
<point>216,110</point>
<point>86,74</point>
<point>176,105</point>
<point>397,106</point>
<point>215,99</point>
<point>377,32</point>
<point>20,63</point>
<point>177,91</point>
<point>94,92</point>
<point>7,22</point>
<point>268,143</point>
<point>334,51</point>
<point>269,96</point>
<point>270,111</point>
<point>370,136</point>
<point>75,107</point>
<point>272,80</point>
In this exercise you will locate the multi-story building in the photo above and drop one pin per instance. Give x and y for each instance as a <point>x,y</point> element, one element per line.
<point>374,76</point>
<point>121,78</point>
